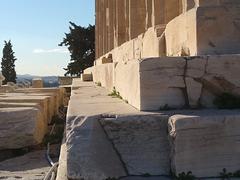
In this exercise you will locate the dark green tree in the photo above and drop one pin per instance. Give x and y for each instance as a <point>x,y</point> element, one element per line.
<point>8,63</point>
<point>81,45</point>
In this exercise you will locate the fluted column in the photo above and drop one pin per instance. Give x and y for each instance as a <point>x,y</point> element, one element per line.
<point>158,14</point>
<point>110,25</point>
<point>105,27</point>
<point>148,4</point>
<point>172,9</point>
<point>120,23</point>
<point>126,14</point>
<point>137,17</point>
<point>101,27</point>
<point>97,53</point>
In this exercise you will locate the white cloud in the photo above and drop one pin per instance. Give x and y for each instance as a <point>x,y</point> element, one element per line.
<point>56,50</point>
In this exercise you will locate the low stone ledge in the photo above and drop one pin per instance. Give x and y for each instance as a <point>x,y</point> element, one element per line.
<point>90,151</point>
<point>205,142</point>
<point>89,154</point>
<point>21,127</point>
<point>153,84</point>
<point>24,105</point>
<point>27,99</point>
<point>43,102</point>
<point>58,92</point>
<point>141,141</point>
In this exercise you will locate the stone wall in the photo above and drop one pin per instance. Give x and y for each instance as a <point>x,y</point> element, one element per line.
<point>108,138</point>
<point>204,31</point>
<point>156,45</point>
<point>136,30</point>
<point>25,115</point>
<point>118,21</point>
<point>137,138</point>
<point>176,82</point>
<point>149,44</point>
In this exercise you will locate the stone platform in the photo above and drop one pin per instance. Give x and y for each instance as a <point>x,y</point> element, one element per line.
<point>25,115</point>
<point>173,82</point>
<point>106,137</point>
<point>21,127</point>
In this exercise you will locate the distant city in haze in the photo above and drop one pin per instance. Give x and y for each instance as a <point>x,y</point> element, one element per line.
<point>35,29</point>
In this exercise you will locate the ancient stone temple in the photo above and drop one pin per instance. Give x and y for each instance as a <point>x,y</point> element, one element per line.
<point>153,56</point>
<point>174,53</point>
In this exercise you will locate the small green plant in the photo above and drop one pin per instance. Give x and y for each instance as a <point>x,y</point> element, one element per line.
<point>115,93</point>
<point>185,176</point>
<point>99,84</point>
<point>225,175</point>
<point>227,101</point>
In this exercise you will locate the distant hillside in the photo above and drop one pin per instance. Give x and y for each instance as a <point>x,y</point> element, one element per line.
<point>48,81</point>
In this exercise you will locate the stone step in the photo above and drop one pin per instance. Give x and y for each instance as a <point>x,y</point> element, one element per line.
<point>41,100</point>
<point>21,127</point>
<point>205,143</point>
<point>106,137</point>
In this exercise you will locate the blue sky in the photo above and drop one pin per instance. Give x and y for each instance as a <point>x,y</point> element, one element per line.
<point>36,27</point>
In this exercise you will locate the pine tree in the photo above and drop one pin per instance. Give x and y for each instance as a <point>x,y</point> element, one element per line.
<point>8,63</point>
<point>81,45</point>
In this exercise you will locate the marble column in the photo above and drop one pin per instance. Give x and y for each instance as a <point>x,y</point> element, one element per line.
<point>97,44</point>
<point>100,20</point>
<point>148,13</point>
<point>105,27</point>
<point>172,9</point>
<point>126,14</point>
<point>120,23</point>
<point>158,12</point>
<point>110,25</point>
<point>137,18</point>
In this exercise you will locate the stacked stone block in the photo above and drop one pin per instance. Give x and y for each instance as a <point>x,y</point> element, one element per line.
<point>25,115</point>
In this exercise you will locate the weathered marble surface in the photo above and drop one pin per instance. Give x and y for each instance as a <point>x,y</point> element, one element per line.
<point>141,141</point>
<point>89,154</point>
<point>205,142</point>
<point>21,127</point>
<point>88,144</point>
<point>58,92</point>
<point>173,82</point>
<point>41,100</point>
<point>102,131</point>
